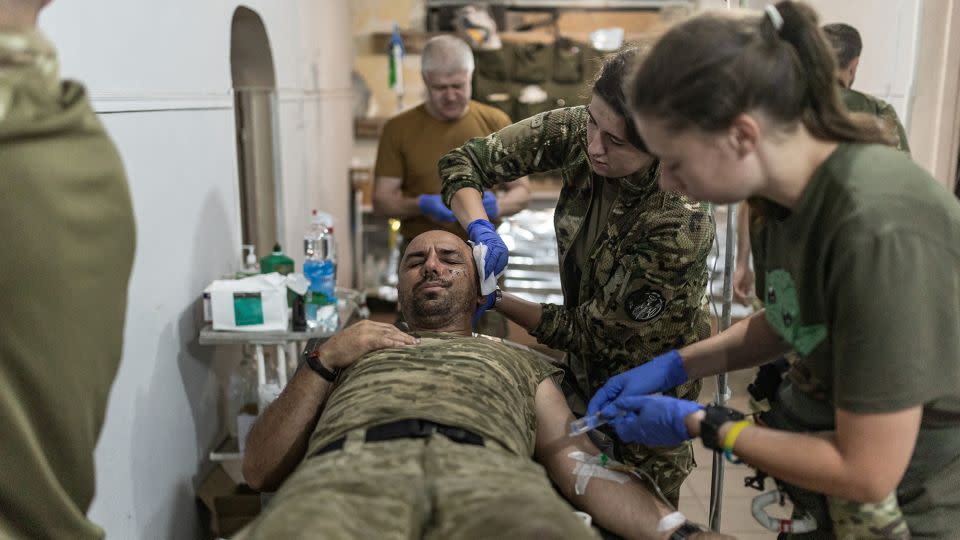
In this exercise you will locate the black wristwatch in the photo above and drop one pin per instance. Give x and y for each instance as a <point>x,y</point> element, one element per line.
<point>716,416</point>
<point>497,299</point>
<point>311,356</point>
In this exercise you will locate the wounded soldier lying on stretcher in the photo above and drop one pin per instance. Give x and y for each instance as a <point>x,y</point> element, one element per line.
<point>431,434</point>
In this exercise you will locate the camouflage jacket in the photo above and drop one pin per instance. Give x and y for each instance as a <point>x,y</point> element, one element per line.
<point>859,102</point>
<point>641,292</point>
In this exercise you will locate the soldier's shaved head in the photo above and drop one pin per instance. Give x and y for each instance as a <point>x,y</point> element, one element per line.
<point>20,14</point>
<point>438,287</point>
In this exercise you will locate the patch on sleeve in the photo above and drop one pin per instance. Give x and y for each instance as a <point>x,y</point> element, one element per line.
<point>538,120</point>
<point>644,304</point>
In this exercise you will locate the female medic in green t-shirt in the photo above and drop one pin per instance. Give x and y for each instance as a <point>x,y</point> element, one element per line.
<point>859,268</point>
<point>632,257</point>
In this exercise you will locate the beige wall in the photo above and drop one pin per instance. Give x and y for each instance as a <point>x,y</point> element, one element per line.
<point>934,132</point>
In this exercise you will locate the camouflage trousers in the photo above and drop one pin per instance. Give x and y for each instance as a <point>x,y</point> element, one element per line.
<point>417,488</point>
<point>840,519</point>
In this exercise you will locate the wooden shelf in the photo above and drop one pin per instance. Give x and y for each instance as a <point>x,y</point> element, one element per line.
<point>368,128</point>
<point>413,41</point>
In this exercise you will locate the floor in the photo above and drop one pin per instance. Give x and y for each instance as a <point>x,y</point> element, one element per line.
<point>735,516</point>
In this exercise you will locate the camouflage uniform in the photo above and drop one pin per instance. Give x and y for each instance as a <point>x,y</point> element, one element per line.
<point>641,290</point>
<point>68,244</point>
<point>429,488</point>
<point>858,102</point>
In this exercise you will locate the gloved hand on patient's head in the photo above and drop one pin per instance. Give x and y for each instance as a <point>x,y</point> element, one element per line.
<point>490,204</point>
<point>653,420</point>
<point>660,374</point>
<point>432,206</point>
<point>489,253</point>
<point>487,304</point>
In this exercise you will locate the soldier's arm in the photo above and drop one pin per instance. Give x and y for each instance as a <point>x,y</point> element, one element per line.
<point>536,144</point>
<point>627,509</point>
<point>278,440</point>
<point>389,200</point>
<point>515,198</point>
<point>653,300</point>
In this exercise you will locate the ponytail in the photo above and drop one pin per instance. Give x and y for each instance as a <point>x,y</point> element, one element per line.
<point>708,70</point>
<point>825,117</point>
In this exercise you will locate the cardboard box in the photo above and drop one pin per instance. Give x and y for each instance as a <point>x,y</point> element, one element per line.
<point>231,506</point>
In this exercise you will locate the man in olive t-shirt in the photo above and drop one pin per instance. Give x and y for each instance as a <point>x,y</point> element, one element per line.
<point>67,250</point>
<point>482,408</point>
<point>407,184</point>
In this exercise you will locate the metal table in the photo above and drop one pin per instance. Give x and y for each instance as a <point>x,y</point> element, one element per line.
<point>351,308</point>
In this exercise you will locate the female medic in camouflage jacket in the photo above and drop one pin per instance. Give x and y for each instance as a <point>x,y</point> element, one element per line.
<point>632,257</point>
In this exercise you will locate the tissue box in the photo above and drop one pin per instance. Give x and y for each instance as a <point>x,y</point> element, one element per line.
<point>251,304</point>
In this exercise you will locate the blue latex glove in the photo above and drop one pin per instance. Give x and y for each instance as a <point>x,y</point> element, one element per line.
<point>661,373</point>
<point>432,206</point>
<point>653,420</point>
<point>487,304</point>
<point>490,205</point>
<point>489,253</point>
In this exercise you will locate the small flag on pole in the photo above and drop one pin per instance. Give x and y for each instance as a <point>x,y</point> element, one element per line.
<point>395,77</point>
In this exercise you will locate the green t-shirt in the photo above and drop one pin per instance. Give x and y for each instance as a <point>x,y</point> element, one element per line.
<point>479,384</point>
<point>858,102</point>
<point>67,249</point>
<point>863,280</point>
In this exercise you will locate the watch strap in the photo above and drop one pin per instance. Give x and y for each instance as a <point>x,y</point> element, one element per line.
<point>313,360</point>
<point>714,417</point>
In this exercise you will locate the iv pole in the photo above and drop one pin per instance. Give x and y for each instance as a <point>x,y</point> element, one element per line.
<point>723,392</point>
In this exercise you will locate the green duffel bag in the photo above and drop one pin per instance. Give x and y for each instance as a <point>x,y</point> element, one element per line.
<point>532,62</point>
<point>567,61</point>
<point>494,64</point>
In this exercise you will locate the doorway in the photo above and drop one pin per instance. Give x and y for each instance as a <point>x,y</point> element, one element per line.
<point>257,136</point>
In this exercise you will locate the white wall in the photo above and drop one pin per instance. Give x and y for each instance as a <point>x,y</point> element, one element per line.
<point>159,74</point>
<point>889,31</point>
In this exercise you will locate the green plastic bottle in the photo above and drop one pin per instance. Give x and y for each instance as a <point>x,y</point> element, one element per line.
<point>276,262</point>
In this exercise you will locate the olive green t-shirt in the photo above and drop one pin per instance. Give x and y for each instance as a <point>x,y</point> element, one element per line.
<point>479,384</point>
<point>414,141</point>
<point>67,249</point>
<point>858,102</point>
<point>863,280</point>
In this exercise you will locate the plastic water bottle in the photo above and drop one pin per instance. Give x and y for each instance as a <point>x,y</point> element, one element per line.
<point>320,267</point>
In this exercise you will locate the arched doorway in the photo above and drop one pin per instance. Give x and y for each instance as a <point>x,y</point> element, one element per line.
<point>255,106</point>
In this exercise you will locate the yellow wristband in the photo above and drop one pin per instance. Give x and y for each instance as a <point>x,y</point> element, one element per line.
<point>733,433</point>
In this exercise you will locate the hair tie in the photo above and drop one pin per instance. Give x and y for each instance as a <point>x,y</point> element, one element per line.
<point>775,17</point>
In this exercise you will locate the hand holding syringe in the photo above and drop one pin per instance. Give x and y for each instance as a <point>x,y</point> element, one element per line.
<point>592,422</point>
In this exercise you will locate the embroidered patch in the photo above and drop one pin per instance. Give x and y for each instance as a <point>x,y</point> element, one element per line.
<point>645,304</point>
<point>782,311</point>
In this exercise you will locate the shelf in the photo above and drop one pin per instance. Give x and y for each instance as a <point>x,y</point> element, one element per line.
<point>413,41</point>
<point>368,128</point>
<point>228,450</point>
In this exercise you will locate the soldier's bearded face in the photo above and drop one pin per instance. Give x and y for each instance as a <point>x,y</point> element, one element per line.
<point>437,281</point>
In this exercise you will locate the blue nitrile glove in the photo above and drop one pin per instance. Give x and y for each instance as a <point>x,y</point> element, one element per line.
<point>490,205</point>
<point>432,206</point>
<point>489,253</point>
<point>487,304</point>
<point>661,373</point>
<point>653,420</point>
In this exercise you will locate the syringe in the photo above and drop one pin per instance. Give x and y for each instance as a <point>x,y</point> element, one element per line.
<point>588,423</point>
